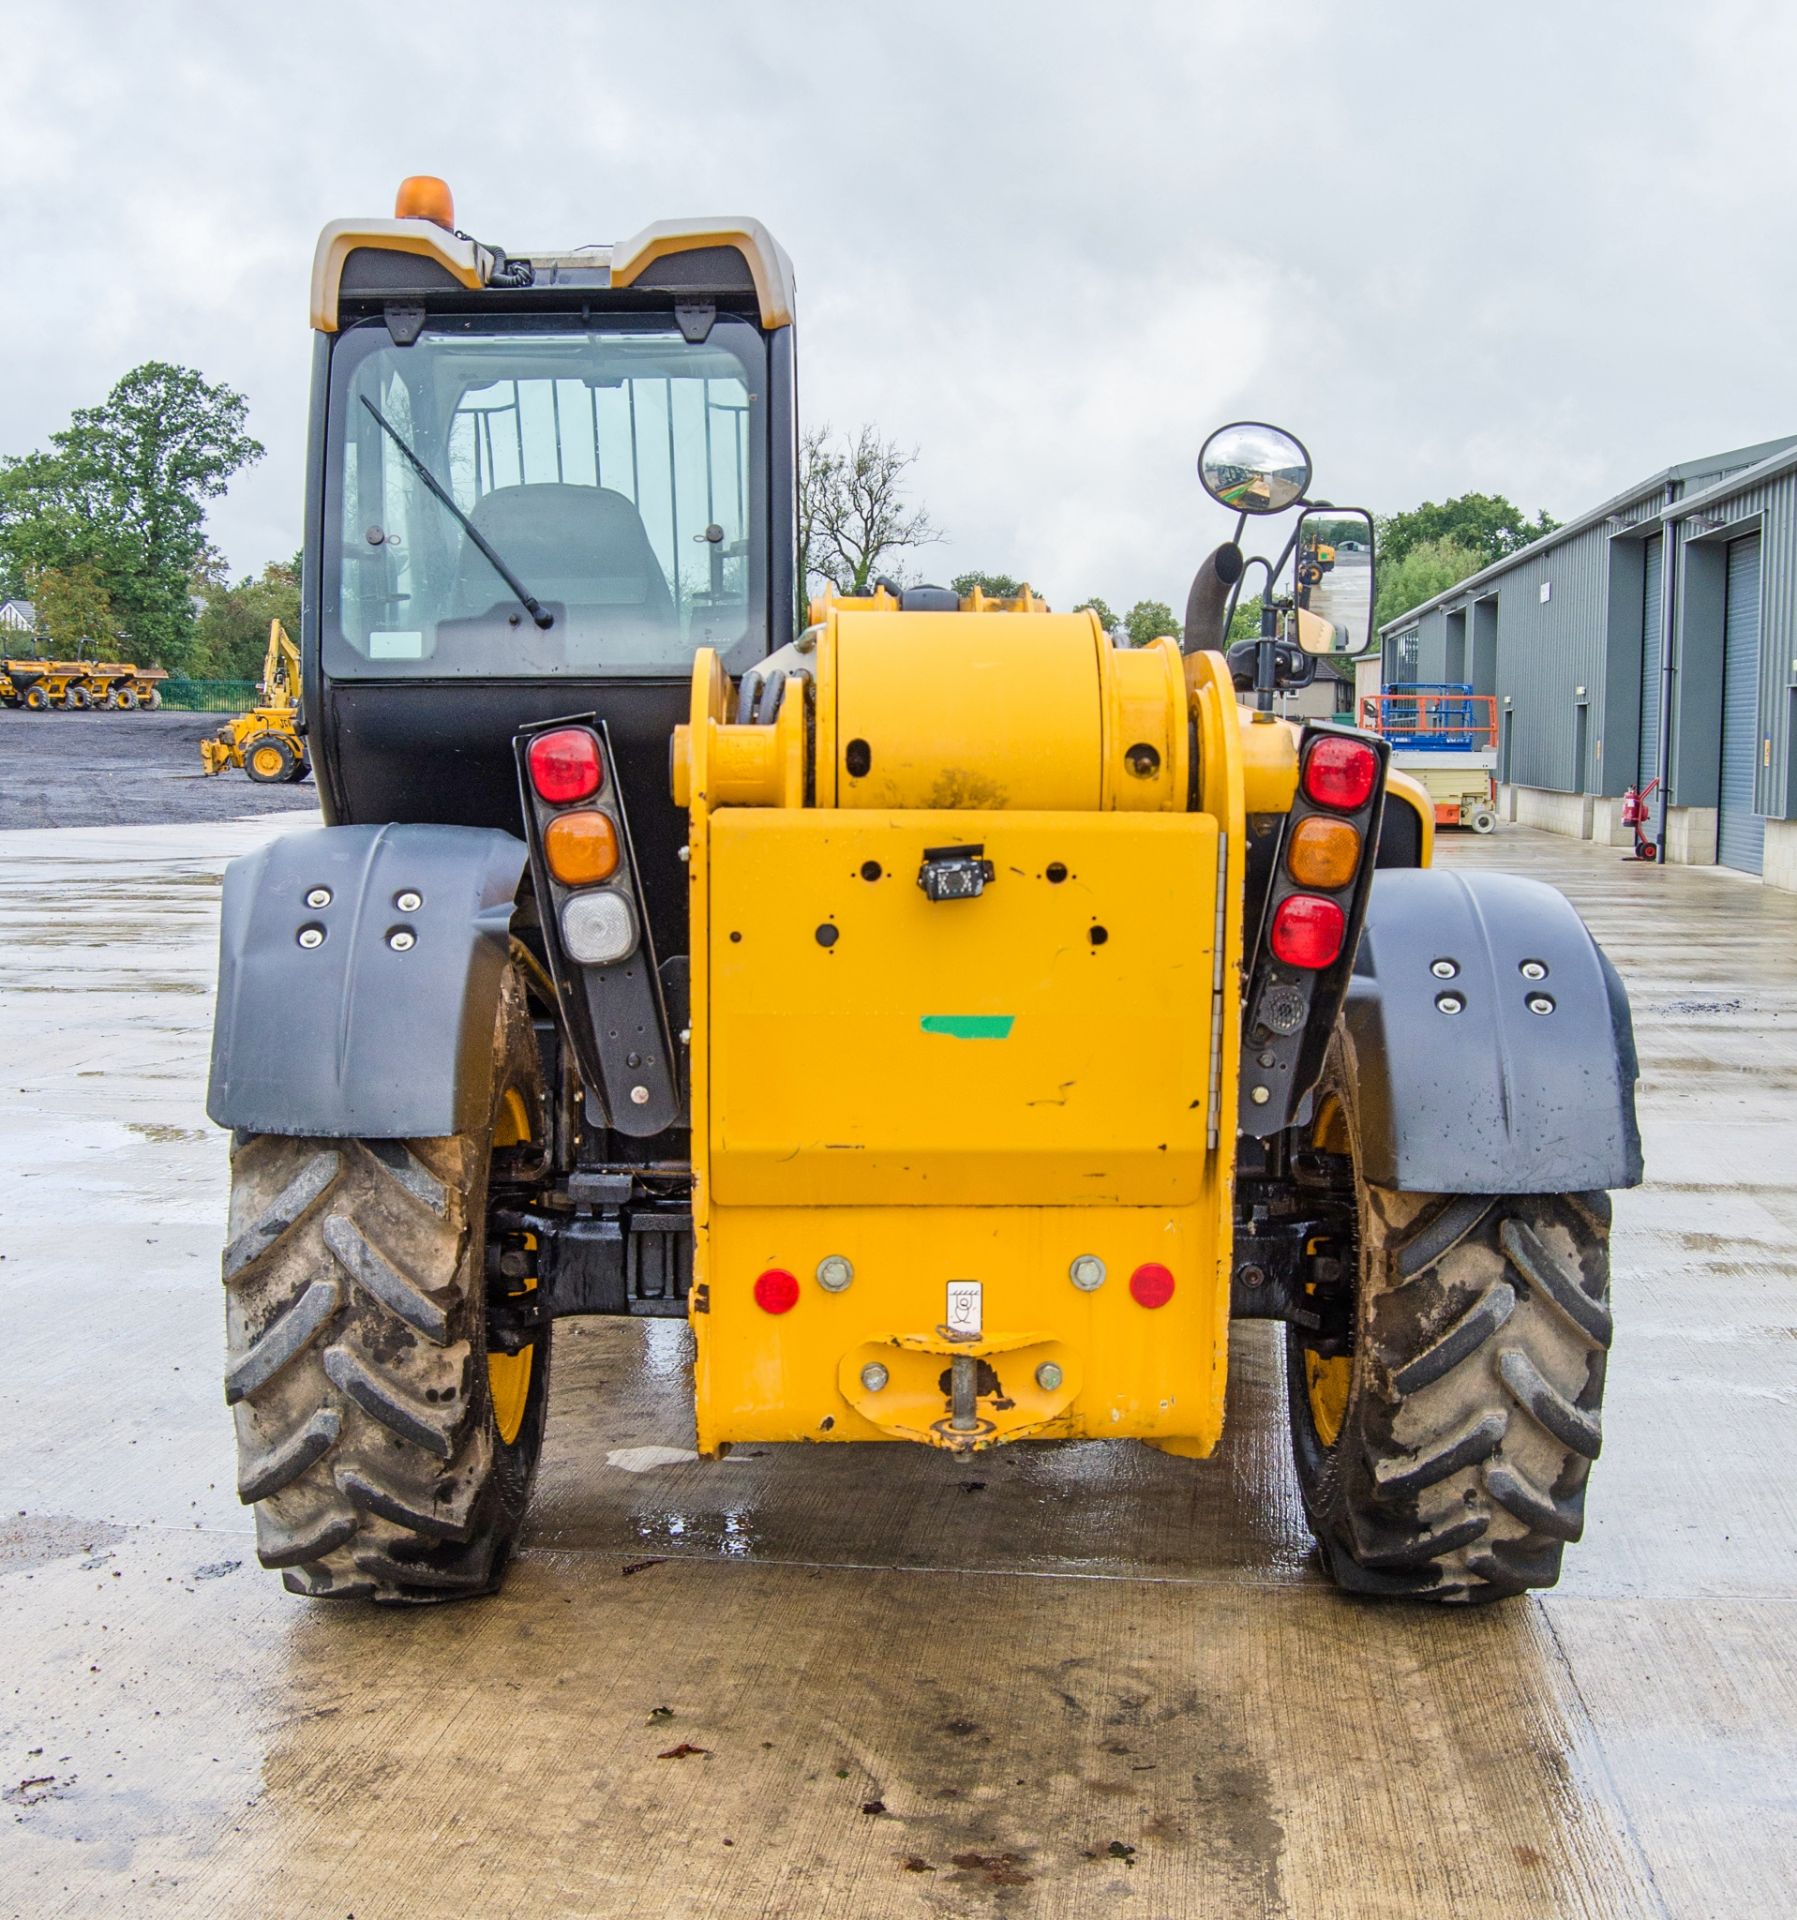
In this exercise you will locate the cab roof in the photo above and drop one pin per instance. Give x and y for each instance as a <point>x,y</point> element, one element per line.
<point>732,261</point>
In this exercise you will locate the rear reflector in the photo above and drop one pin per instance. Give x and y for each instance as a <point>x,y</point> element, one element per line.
<point>598,928</point>
<point>565,765</point>
<point>1307,931</point>
<point>1151,1285</point>
<point>776,1291</point>
<point>1321,852</point>
<point>582,848</point>
<point>1340,773</point>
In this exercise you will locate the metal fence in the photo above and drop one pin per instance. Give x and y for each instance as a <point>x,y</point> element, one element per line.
<point>209,696</point>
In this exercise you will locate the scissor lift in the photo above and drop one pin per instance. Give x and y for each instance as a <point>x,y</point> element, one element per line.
<point>1445,735</point>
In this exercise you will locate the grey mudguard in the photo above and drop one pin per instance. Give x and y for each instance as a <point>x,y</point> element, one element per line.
<point>351,1035</point>
<point>1494,1098</point>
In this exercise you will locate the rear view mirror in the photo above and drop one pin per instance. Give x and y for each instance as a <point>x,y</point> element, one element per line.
<point>1335,582</point>
<point>1253,468</point>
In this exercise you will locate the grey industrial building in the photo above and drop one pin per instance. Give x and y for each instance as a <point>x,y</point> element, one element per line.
<point>1569,635</point>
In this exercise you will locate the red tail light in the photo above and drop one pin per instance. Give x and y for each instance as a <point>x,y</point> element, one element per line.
<point>1151,1285</point>
<point>565,765</point>
<point>776,1291</point>
<point>1340,773</point>
<point>1308,930</point>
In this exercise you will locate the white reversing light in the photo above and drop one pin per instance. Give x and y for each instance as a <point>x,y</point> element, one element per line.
<point>598,928</point>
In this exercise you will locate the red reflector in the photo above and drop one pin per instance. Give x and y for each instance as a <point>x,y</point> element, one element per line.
<point>1340,773</point>
<point>1307,930</point>
<point>776,1291</point>
<point>564,765</point>
<point>1151,1286</point>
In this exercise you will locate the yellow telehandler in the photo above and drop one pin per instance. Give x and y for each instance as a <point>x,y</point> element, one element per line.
<point>268,742</point>
<point>981,1017</point>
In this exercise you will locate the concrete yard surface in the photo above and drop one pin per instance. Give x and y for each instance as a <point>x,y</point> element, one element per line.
<point>1050,1681</point>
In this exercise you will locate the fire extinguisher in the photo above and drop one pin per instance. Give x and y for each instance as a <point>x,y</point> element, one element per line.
<point>1635,813</point>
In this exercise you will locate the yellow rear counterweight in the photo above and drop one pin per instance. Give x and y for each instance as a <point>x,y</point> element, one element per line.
<point>981,1133</point>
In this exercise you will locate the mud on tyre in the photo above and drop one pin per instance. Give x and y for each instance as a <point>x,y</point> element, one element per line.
<point>385,1453</point>
<point>1446,1458</point>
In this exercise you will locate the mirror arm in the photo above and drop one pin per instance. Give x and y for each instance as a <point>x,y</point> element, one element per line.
<point>1253,560</point>
<point>1286,552</point>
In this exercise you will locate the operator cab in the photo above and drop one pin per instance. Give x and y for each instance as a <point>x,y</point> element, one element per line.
<point>538,485</point>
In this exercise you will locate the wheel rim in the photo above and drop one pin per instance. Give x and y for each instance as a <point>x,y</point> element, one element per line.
<point>1329,1379</point>
<point>508,1374</point>
<point>1327,1383</point>
<point>267,762</point>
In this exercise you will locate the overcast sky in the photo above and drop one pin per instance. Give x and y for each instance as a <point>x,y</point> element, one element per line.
<point>1541,250</point>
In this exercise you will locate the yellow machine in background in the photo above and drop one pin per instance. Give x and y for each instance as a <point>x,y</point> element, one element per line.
<point>39,685</point>
<point>266,742</point>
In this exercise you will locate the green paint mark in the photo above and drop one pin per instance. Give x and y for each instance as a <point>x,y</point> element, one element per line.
<point>970,1026</point>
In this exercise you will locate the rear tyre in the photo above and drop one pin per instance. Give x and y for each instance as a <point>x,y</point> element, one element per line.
<point>1482,820</point>
<point>153,700</point>
<point>80,699</point>
<point>269,760</point>
<point>302,766</point>
<point>1446,1457</point>
<point>386,1454</point>
<point>127,698</point>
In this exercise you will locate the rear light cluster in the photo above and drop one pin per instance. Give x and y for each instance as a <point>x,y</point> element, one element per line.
<point>1323,851</point>
<point>1313,908</point>
<point>581,846</point>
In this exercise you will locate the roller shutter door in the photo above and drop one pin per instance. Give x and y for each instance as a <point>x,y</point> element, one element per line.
<point>1740,831</point>
<point>1648,759</point>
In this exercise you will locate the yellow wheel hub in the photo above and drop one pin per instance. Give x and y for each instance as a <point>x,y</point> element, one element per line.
<point>1328,1380</point>
<point>508,1374</point>
<point>267,761</point>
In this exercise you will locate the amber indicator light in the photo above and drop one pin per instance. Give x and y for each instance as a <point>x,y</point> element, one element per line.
<point>1322,853</point>
<point>582,848</point>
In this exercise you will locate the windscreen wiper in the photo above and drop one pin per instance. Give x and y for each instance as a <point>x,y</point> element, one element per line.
<point>526,599</point>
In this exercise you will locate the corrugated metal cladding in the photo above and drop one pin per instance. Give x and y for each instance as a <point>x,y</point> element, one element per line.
<point>1774,504</point>
<point>1740,831</point>
<point>1578,625</point>
<point>1550,661</point>
<point>1647,758</point>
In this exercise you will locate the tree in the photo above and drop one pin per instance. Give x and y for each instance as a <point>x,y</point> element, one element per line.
<point>820,467</point>
<point>1149,620</point>
<point>995,586</point>
<point>1106,618</point>
<point>1486,524</point>
<point>853,513</point>
<point>1420,574</point>
<point>74,611</point>
<point>231,636</point>
<point>123,490</point>
<point>1246,624</point>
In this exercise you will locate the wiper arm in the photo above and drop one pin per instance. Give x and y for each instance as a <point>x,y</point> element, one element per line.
<point>526,599</point>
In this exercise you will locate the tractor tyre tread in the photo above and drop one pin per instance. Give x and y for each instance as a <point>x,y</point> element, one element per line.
<point>355,1318</point>
<point>1482,1333</point>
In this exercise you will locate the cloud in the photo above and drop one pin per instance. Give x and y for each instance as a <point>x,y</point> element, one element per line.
<point>1051,246</point>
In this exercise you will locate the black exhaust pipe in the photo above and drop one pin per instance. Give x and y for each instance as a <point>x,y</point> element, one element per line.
<point>1207,605</point>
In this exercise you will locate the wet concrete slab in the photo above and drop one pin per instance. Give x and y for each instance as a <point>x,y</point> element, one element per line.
<point>1054,1680</point>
